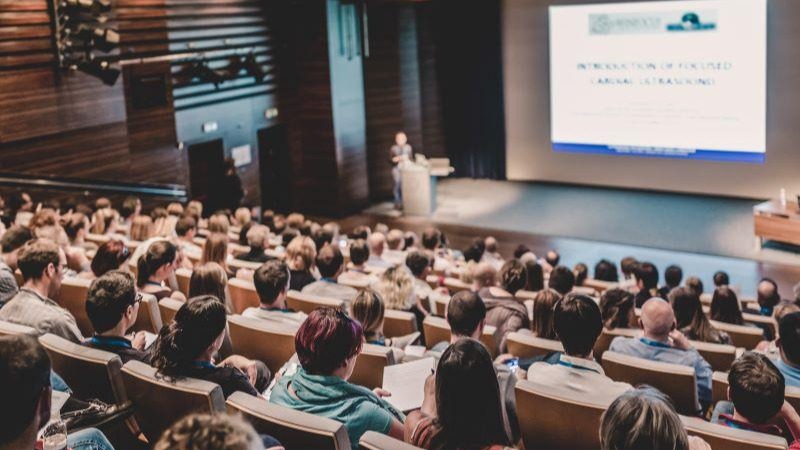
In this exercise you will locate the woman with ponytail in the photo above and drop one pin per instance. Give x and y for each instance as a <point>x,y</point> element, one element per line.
<point>155,267</point>
<point>186,348</point>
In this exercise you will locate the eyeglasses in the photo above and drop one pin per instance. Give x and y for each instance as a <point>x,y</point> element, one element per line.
<point>138,298</point>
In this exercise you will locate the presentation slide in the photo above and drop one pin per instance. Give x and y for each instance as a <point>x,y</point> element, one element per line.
<point>670,79</point>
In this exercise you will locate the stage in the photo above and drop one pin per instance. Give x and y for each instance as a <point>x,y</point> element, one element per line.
<point>701,233</point>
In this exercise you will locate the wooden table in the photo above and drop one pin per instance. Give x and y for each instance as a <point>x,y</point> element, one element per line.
<point>776,222</point>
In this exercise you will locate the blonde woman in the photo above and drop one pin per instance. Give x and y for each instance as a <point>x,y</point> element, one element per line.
<point>105,221</point>
<point>242,216</point>
<point>141,228</point>
<point>219,223</point>
<point>300,255</point>
<point>396,287</point>
<point>215,250</point>
<point>368,308</point>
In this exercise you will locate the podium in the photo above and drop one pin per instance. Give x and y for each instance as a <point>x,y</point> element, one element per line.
<point>419,180</point>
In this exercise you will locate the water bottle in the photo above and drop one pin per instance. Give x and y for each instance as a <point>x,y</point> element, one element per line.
<point>54,435</point>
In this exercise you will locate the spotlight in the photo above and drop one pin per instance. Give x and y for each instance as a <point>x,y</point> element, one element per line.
<point>103,39</point>
<point>99,69</point>
<point>253,68</point>
<point>95,7</point>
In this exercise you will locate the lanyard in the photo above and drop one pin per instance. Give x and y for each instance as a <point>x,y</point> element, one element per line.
<point>655,343</point>
<point>575,366</point>
<point>111,341</point>
<point>203,364</point>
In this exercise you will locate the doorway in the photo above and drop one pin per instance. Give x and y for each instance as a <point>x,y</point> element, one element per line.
<point>206,166</point>
<point>275,166</point>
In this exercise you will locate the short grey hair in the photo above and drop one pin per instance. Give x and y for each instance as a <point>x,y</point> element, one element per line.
<point>257,235</point>
<point>642,418</point>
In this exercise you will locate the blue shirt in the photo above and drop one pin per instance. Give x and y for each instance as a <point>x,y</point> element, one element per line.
<point>661,352</point>
<point>790,373</point>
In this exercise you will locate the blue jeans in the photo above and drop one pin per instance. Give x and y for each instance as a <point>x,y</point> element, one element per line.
<point>88,439</point>
<point>58,383</point>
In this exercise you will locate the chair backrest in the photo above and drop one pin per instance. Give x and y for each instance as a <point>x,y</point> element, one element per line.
<point>13,329</point>
<point>168,307</point>
<point>557,419</point>
<point>72,297</point>
<point>377,441</point>
<point>184,276</point>
<point>160,402</point>
<point>149,318</point>
<point>603,341</point>
<point>524,345</point>
<point>741,335</point>
<point>264,340</point>
<point>239,264</point>
<point>762,321</point>
<point>354,282</point>
<point>719,356</point>
<point>433,281</point>
<point>90,373</point>
<point>440,305</point>
<point>727,438</point>
<point>398,323</point>
<point>455,285</point>
<point>370,364</point>
<point>674,380</point>
<point>522,294</point>
<point>306,302</point>
<point>436,329</point>
<point>243,295</point>
<point>294,429</point>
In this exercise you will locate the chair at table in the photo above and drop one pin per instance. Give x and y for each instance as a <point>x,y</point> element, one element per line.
<point>160,403</point>
<point>307,302</point>
<point>398,323</point>
<point>72,297</point>
<point>727,438</point>
<point>243,295</point>
<point>523,345</point>
<point>294,429</point>
<point>377,441</point>
<point>370,363</point>
<point>741,335</point>
<point>674,380</point>
<point>264,340</point>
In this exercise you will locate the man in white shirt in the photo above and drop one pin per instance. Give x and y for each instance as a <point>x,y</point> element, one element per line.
<point>330,264</point>
<point>420,266</point>
<point>578,323</point>
<point>356,273</point>
<point>394,253</point>
<point>376,242</point>
<point>272,284</point>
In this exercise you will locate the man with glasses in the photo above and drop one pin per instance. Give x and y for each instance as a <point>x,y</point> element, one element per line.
<point>112,305</point>
<point>43,265</point>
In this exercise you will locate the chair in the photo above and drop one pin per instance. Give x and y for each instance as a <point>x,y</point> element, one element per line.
<point>762,321</point>
<point>294,429</point>
<point>436,329</point>
<point>522,294</point>
<point>168,307</point>
<point>89,372</point>
<point>264,340</point>
<point>355,283</point>
<point>19,278</point>
<point>604,340</point>
<point>440,302</point>
<point>557,419</point>
<point>13,329</point>
<point>307,302</point>
<point>599,285</point>
<point>741,335</point>
<point>370,364</point>
<point>719,356</point>
<point>455,285</point>
<point>433,281</point>
<point>524,345</point>
<point>159,403</point>
<point>72,297</point>
<point>377,441</point>
<point>184,276</point>
<point>722,437</point>
<point>149,318</point>
<point>674,380</point>
<point>398,323</point>
<point>239,264</point>
<point>243,295</point>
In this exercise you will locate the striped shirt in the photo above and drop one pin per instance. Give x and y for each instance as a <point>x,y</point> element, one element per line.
<point>31,309</point>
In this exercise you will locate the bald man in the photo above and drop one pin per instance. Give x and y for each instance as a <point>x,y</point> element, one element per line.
<point>662,342</point>
<point>376,242</point>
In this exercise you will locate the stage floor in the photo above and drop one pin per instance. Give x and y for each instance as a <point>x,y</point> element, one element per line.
<point>701,233</point>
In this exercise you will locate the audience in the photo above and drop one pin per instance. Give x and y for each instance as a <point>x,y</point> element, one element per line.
<point>300,255</point>
<point>788,343</point>
<point>535,275</point>
<point>490,254</point>
<point>112,255</point>
<point>578,324</point>
<point>552,258</point>
<point>695,284</point>
<point>186,230</point>
<point>327,345</point>
<point>420,266</point>
<point>214,432</point>
<point>462,408</point>
<point>647,282</point>
<point>767,296</point>
<point>376,241</point>
<point>605,270</point>
<point>663,342</point>
<point>42,264</point>
<point>186,348</point>
<point>396,287</point>
<point>112,306</point>
<point>357,272</point>
<point>581,272</point>
<point>725,307</point>
<point>155,267</point>
<point>215,250</point>
<point>672,277</point>
<point>692,321</point>
<point>644,418</point>
<point>272,284</point>
<point>721,279</point>
<point>503,311</point>
<point>628,266</point>
<point>395,244</point>
<point>210,279</point>
<point>617,309</point>
<point>330,264</point>
<point>10,244</point>
<point>141,229</point>
<point>543,304</point>
<point>258,240</point>
<point>368,308</point>
<point>562,280</point>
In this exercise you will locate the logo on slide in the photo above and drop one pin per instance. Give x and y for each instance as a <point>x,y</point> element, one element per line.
<point>690,21</point>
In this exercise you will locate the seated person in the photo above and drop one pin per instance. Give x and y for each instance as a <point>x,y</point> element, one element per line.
<point>788,344</point>
<point>644,418</point>
<point>616,307</point>
<point>327,345</point>
<point>663,342</point>
<point>721,279</point>
<point>562,280</point>
<point>369,310</point>
<point>258,240</point>
<point>543,304</point>
<point>502,309</point>
<point>691,319</point>
<point>420,266</point>
<point>466,314</point>
<point>756,393</point>
<point>25,387</point>
<point>330,264</point>
<point>42,264</point>
<point>577,324</point>
<point>725,307</point>
<point>112,305</point>
<point>647,282</point>
<point>186,229</point>
<point>214,432</point>
<point>10,244</point>
<point>768,298</point>
<point>672,276</point>
<point>481,275</point>
<point>112,255</point>
<point>376,241</point>
<point>490,254</point>
<point>155,267</point>
<point>395,242</point>
<point>272,284</point>
<point>432,242</point>
<point>462,407</point>
<point>695,284</point>
<point>185,348</point>
<point>300,255</point>
<point>356,270</point>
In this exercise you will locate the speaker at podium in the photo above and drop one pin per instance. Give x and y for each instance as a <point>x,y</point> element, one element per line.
<point>419,180</point>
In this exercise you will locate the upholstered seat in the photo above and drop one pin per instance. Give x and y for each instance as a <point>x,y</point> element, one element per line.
<point>72,297</point>
<point>263,340</point>
<point>307,302</point>
<point>727,438</point>
<point>398,323</point>
<point>243,295</point>
<point>524,345</point>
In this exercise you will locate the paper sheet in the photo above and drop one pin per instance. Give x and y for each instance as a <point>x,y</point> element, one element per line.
<point>406,382</point>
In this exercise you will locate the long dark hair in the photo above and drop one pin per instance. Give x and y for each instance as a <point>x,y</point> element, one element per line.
<point>197,324</point>
<point>689,313</point>
<point>725,306</point>
<point>159,253</point>
<point>617,309</point>
<point>535,276</point>
<point>469,411</point>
